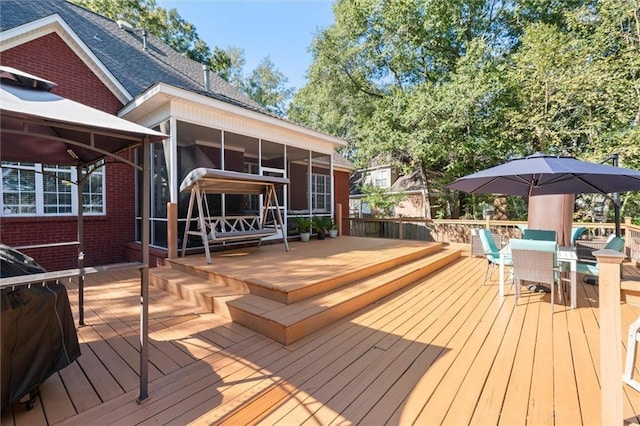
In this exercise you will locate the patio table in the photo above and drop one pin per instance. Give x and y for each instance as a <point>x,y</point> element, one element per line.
<point>564,255</point>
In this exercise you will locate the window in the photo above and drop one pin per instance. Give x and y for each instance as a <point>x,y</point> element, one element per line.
<point>380,178</point>
<point>321,192</point>
<point>56,186</point>
<point>41,190</point>
<point>19,189</point>
<point>93,191</point>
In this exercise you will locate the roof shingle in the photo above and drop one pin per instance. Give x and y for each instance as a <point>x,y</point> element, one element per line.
<point>122,52</point>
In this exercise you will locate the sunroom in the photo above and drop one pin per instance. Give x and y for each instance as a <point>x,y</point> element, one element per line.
<point>209,131</point>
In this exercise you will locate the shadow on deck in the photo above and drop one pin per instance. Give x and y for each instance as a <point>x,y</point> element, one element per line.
<point>443,349</point>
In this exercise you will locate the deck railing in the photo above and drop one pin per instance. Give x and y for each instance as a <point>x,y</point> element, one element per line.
<point>459,231</point>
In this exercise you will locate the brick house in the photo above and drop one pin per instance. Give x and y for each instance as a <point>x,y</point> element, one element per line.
<point>126,72</point>
<point>409,188</point>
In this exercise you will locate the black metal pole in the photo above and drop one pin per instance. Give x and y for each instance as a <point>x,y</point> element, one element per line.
<point>616,200</point>
<point>80,235</point>
<point>144,272</point>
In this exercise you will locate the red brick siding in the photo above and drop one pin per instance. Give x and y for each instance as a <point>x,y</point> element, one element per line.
<point>49,57</point>
<point>341,196</point>
<point>104,236</point>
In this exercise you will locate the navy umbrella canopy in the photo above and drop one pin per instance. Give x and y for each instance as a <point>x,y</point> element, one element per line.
<point>542,174</point>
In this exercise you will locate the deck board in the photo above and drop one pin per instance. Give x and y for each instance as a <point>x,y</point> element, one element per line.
<point>446,349</point>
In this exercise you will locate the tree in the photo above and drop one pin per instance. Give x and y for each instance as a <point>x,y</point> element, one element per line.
<point>449,88</point>
<point>381,201</point>
<point>578,86</point>
<point>168,25</point>
<point>267,86</point>
<point>384,77</point>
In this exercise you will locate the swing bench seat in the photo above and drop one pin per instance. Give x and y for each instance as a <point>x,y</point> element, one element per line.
<point>253,234</point>
<point>236,228</point>
<point>202,181</point>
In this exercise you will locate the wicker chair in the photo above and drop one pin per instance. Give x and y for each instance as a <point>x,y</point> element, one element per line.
<point>536,261</point>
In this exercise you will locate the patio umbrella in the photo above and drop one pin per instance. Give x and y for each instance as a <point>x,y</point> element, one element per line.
<point>542,174</point>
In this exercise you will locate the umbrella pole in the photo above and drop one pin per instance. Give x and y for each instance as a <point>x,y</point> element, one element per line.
<point>616,199</point>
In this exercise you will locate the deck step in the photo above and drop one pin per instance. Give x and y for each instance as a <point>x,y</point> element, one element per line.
<point>287,323</point>
<point>199,291</point>
<point>297,292</point>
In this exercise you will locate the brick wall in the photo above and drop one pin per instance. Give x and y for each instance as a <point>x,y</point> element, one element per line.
<point>105,236</point>
<point>49,57</point>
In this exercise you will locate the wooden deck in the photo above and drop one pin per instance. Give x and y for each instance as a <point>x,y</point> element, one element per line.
<point>286,296</point>
<point>444,350</point>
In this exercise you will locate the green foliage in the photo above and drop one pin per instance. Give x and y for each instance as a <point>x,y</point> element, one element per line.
<point>381,201</point>
<point>322,223</point>
<point>449,88</point>
<point>266,85</point>
<point>302,224</point>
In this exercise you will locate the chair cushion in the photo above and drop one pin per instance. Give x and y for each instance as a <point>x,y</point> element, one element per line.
<point>539,234</point>
<point>587,268</point>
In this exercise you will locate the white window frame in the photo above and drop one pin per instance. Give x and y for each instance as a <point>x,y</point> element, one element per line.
<point>326,194</point>
<point>381,178</point>
<point>39,169</point>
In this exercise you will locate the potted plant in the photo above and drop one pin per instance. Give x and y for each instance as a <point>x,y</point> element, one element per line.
<point>322,224</point>
<point>333,230</point>
<point>303,225</point>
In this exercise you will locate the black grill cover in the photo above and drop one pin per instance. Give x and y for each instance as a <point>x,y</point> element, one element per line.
<point>38,337</point>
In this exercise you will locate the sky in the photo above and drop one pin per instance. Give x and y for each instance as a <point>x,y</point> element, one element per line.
<point>280,29</point>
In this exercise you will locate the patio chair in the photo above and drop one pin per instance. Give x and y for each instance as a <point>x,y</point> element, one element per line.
<point>476,245</point>
<point>576,232</point>
<point>536,261</point>
<point>522,228</point>
<point>539,234</point>
<point>491,252</point>
<point>590,267</point>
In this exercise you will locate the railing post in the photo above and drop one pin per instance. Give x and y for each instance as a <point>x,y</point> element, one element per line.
<point>487,224</point>
<point>339,217</point>
<point>609,263</point>
<point>172,230</point>
<point>400,229</point>
<point>627,239</point>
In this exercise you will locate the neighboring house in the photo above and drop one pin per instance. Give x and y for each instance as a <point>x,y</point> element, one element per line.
<point>384,176</point>
<point>136,76</point>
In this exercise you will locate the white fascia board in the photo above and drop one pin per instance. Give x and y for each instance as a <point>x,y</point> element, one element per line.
<point>195,98</point>
<point>55,24</point>
<point>342,168</point>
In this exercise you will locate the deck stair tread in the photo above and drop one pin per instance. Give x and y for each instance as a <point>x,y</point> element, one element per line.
<point>332,276</point>
<point>289,322</point>
<point>198,290</point>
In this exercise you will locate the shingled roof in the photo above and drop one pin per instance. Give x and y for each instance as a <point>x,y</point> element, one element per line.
<point>122,53</point>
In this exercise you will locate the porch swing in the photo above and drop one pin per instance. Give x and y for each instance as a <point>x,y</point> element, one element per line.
<point>222,229</point>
